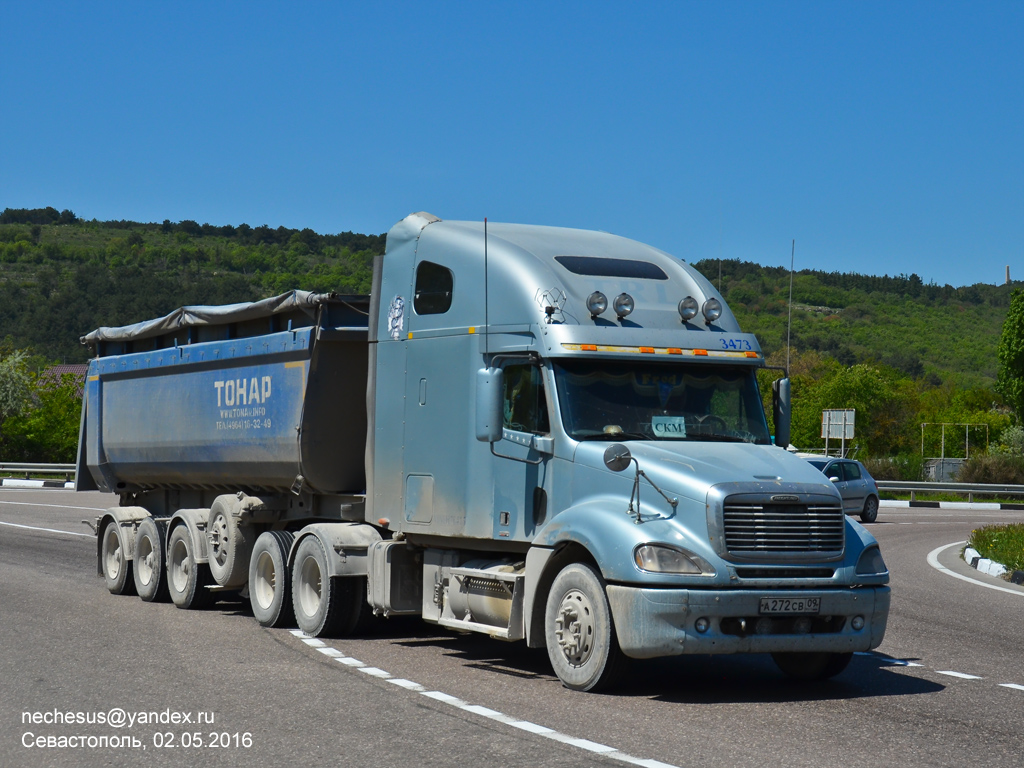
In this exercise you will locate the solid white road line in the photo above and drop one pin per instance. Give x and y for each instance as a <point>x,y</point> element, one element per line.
<point>933,561</point>
<point>46,530</point>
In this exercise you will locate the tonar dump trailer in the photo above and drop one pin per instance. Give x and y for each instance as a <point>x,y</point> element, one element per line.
<point>540,434</point>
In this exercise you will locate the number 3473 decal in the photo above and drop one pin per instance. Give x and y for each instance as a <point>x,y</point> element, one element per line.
<point>737,344</point>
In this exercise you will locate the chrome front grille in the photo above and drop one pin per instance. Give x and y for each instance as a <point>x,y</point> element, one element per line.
<point>765,530</point>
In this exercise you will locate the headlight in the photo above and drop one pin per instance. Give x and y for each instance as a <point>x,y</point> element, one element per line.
<point>623,305</point>
<point>871,562</point>
<point>712,310</point>
<point>597,303</point>
<point>657,559</point>
<point>688,308</point>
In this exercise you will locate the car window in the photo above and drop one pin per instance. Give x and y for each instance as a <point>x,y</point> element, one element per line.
<point>851,470</point>
<point>834,471</point>
<point>525,406</point>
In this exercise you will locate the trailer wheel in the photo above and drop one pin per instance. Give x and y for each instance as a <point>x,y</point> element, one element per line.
<point>187,580</point>
<point>581,641</point>
<point>270,590</point>
<point>149,571</point>
<point>117,569</point>
<point>812,665</point>
<point>230,545</point>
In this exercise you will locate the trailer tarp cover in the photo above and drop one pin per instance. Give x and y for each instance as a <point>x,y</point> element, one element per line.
<point>307,301</point>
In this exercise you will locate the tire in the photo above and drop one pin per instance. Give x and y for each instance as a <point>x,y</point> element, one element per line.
<point>187,580</point>
<point>230,545</point>
<point>117,569</point>
<point>270,586</point>
<point>811,666</point>
<point>149,569</point>
<point>578,631</point>
<point>326,606</point>
<point>870,512</point>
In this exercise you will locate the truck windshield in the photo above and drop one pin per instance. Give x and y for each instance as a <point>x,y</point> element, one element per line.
<point>606,400</point>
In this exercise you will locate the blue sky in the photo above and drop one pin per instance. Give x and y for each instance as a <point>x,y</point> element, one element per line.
<point>884,137</point>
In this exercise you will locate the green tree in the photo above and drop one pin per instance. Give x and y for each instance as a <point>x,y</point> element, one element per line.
<point>15,386</point>
<point>1010,380</point>
<point>47,431</point>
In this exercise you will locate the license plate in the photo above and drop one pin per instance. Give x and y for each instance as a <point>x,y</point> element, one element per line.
<point>790,606</point>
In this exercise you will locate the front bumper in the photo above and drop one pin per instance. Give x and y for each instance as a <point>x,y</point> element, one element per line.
<point>662,622</point>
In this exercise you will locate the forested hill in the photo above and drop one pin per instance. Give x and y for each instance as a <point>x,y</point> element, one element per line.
<point>921,329</point>
<point>61,277</point>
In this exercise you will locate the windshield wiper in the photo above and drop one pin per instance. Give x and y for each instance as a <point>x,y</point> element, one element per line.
<point>716,437</point>
<point>616,436</point>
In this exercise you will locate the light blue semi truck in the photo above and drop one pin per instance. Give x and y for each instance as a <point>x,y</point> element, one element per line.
<point>536,433</point>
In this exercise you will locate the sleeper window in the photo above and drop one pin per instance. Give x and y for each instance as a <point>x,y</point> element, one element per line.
<point>433,289</point>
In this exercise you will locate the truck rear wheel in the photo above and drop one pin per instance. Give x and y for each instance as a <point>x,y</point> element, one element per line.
<point>326,606</point>
<point>187,580</point>
<point>270,590</point>
<point>117,569</point>
<point>230,544</point>
<point>150,575</point>
<point>812,665</point>
<point>578,630</point>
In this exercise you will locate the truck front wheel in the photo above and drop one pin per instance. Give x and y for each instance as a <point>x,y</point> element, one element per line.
<point>117,569</point>
<point>578,630</point>
<point>812,665</point>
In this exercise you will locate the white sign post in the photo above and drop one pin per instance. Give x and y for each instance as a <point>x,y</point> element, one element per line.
<point>837,424</point>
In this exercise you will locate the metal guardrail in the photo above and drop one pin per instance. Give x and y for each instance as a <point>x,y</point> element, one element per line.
<point>897,486</point>
<point>28,470</point>
<point>970,489</point>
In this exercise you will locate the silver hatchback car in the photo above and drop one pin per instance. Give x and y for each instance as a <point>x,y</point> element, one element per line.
<point>855,485</point>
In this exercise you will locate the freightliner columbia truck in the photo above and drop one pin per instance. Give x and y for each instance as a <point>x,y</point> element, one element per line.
<point>535,433</point>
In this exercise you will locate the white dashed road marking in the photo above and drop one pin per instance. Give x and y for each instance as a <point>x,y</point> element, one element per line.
<point>961,675</point>
<point>481,711</point>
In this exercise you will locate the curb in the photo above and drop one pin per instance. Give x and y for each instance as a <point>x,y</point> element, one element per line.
<point>9,482</point>
<point>976,505</point>
<point>975,560</point>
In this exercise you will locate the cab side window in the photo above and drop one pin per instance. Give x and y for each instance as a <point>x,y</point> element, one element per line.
<point>433,289</point>
<point>525,406</point>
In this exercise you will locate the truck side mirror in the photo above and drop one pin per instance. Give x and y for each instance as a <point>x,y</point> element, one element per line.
<point>781,411</point>
<point>490,385</point>
<point>617,457</point>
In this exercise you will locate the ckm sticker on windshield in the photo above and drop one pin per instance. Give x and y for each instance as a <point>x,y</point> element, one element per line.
<point>668,426</point>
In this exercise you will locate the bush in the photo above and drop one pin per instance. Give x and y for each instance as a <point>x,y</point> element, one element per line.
<point>1011,442</point>
<point>906,466</point>
<point>999,469</point>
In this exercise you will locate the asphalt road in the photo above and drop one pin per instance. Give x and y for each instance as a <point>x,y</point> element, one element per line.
<point>945,688</point>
